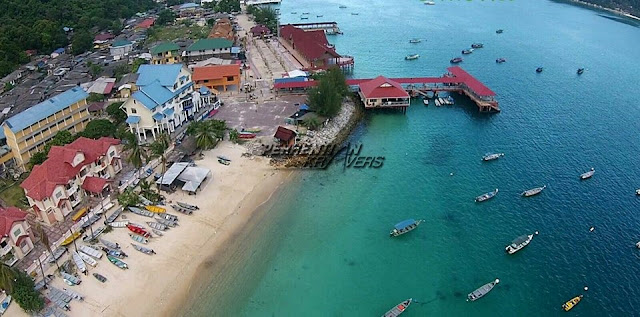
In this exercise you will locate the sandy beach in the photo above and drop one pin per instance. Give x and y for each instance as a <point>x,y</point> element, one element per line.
<point>156,285</point>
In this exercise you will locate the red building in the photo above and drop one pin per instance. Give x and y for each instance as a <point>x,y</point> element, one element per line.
<point>382,92</point>
<point>312,49</point>
<point>285,136</point>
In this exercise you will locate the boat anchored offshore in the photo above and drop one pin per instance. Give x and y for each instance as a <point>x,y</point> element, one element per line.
<point>398,309</point>
<point>499,31</point>
<point>533,191</point>
<point>482,291</point>
<point>571,303</point>
<point>415,41</point>
<point>404,227</point>
<point>429,3</point>
<point>580,71</point>
<point>500,60</point>
<point>486,196</point>
<point>467,51</point>
<point>492,156</point>
<point>411,57</point>
<point>588,174</point>
<point>539,69</point>
<point>456,60</point>
<point>519,243</point>
<point>477,45</point>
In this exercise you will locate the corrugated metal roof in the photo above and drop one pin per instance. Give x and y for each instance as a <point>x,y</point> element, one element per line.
<point>165,74</point>
<point>46,108</point>
<point>210,44</point>
<point>164,47</point>
<point>133,119</point>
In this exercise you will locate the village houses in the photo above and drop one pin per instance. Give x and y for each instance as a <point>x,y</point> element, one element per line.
<point>16,240</point>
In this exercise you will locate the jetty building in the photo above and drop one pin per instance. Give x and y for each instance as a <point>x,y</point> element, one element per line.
<point>312,50</point>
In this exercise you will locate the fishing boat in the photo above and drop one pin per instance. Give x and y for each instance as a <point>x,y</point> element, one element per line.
<point>90,251</point>
<point>87,259</point>
<point>116,253</point>
<point>192,207</point>
<point>354,13</point>
<point>411,57</point>
<point>492,156</point>
<point>138,230</point>
<point>143,249</point>
<point>141,212</point>
<point>539,69</point>
<point>89,220</point>
<point>5,304</point>
<point>117,262</point>
<point>166,222</point>
<point>637,191</point>
<point>319,16</point>
<point>114,215</point>
<point>305,13</point>
<point>533,191</point>
<point>223,162</point>
<point>182,210</point>
<point>486,196</point>
<point>70,239</point>
<point>429,3</point>
<point>144,200</point>
<point>246,135</point>
<point>79,214</point>
<point>96,233</point>
<point>499,31</point>
<point>304,18</point>
<point>437,102</point>
<point>100,277</point>
<point>70,279</point>
<point>580,71</point>
<point>109,244</point>
<point>119,224</point>
<point>477,45</point>
<point>157,226</point>
<point>456,60</point>
<point>482,291</point>
<point>518,243</point>
<point>426,102</point>
<point>467,51</point>
<point>138,238</point>
<point>57,253</point>
<point>413,41</point>
<point>588,174</point>
<point>294,12</point>
<point>155,209</point>
<point>404,227</point>
<point>343,7</point>
<point>168,216</point>
<point>500,60</point>
<point>77,260</point>
<point>571,303</point>
<point>398,309</point>
<point>252,130</point>
<point>157,232</point>
<point>73,294</point>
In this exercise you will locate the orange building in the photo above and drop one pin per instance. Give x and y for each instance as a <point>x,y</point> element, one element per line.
<point>216,76</point>
<point>223,29</point>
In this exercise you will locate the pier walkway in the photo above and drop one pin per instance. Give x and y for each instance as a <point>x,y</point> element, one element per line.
<point>329,28</point>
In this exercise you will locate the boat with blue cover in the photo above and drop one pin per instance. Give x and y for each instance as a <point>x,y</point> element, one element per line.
<point>486,196</point>
<point>404,227</point>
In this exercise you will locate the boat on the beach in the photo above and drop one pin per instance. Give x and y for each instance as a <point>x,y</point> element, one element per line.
<point>90,251</point>
<point>157,225</point>
<point>117,262</point>
<point>155,209</point>
<point>141,212</point>
<point>518,243</point>
<point>533,191</point>
<point>182,210</point>
<point>57,253</point>
<point>157,232</point>
<point>111,218</point>
<point>143,249</point>
<point>411,57</point>
<point>499,31</point>
<point>138,238</point>
<point>119,224</point>
<point>572,303</point>
<point>500,60</point>
<point>109,244</point>
<point>138,230</point>
<point>486,196</point>
<point>415,41</point>
<point>188,206</point>
<point>588,174</point>
<point>4,305</point>
<point>144,200</point>
<point>456,60</point>
<point>220,157</point>
<point>252,130</point>
<point>166,222</point>
<point>404,227</point>
<point>398,309</point>
<point>113,252</point>
<point>77,260</point>
<point>580,71</point>
<point>168,216</point>
<point>87,259</point>
<point>100,277</point>
<point>89,220</point>
<point>482,291</point>
<point>492,156</point>
<point>73,294</point>
<point>70,279</point>
<point>467,51</point>
<point>96,233</point>
<point>246,135</point>
<point>539,69</point>
<point>70,239</point>
<point>223,162</point>
<point>477,45</point>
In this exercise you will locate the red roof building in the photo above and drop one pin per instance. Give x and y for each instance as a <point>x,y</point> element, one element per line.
<point>15,234</point>
<point>312,49</point>
<point>57,186</point>
<point>102,38</point>
<point>147,23</point>
<point>260,30</point>
<point>286,137</point>
<point>382,92</point>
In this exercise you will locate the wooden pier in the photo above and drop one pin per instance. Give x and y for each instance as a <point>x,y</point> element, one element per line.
<point>329,28</point>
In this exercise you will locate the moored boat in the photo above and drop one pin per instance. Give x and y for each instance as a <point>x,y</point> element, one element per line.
<point>588,174</point>
<point>143,249</point>
<point>100,277</point>
<point>182,210</point>
<point>430,3</point>
<point>138,238</point>
<point>57,253</point>
<point>437,102</point>
<point>141,212</point>
<point>518,243</point>
<point>398,309</point>
<point>117,262</point>
<point>482,291</point>
<point>166,222</point>
<point>119,224</point>
<point>70,279</point>
<point>456,60</point>
<point>638,191</point>
<point>138,230</point>
<point>486,196</point>
<point>477,45</point>
<point>155,209</point>
<point>168,216</point>
<point>157,232</point>
<point>492,156</point>
<point>467,51</point>
<point>499,31</point>
<point>404,227</point>
<point>114,215</point>
<point>572,303</point>
<point>413,41</point>
<point>157,226</point>
<point>77,260</point>
<point>411,57</point>
<point>533,191</point>
<point>246,135</point>
<point>343,7</point>
<point>193,207</point>
<point>87,259</point>
<point>96,233</point>
<point>539,69</point>
<point>426,102</point>
<point>70,239</point>
<point>580,71</point>
<point>500,60</point>
<point>115,253</point>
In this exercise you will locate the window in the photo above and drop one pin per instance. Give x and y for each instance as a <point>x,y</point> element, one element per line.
<point>59,194</point>
<point>175,86</point>
<point>112,153</point>
<point>133,110</point>
<point>17,232</point>
<point>229,78</point>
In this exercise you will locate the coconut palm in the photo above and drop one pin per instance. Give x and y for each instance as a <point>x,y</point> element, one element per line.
<point>204,134</point>
<point>45,240</point>
<point>7,277</point>
<point>158,149</point>
<point>136,152</point>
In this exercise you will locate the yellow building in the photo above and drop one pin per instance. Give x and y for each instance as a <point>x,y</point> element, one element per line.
<point>165,53</point>
<point>28,131</point>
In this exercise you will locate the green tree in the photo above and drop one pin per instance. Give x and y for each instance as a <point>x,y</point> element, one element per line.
<point>116,113</point>
<point>266,16</point>
<point>158,149</point>
<point>94,97</point>
<point>312,123</point>
<point>228,6</point>
<point>24,294</point>
<point>326,97</point>
<point>95,70</point>
<point>61,138</point>
<point>7,277</point>
<point>207,133</point>
<point>128,198</point>
<point>136,152</point>
<point>37,158</point>
<point>82,42</point>
<point>8,86</point>
<point>136,64</point>
<point>165,17</point>
<point>233,135</point>
<point>96,129</point>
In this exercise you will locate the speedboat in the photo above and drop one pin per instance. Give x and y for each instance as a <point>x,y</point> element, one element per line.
<point>319,16</point>
<point>426,103</point>
<point>588,174</point>
<point>580,71</point>
<point>354,13</point>
<point>398,309</point>
<point>411,57</point>
<point>492,156</point>
<point>304,18</point>
<point>486,196</point>
<point>499,31</point>
<point>305,13</point>
<point>539,70</point>
<point>415,41</point>
<point>477,45</point>
<point>571,303</point>
<point>500,60</point>
<point>456,60</point>
<point>518,243</point>
<point>637,191</point>
<point>533,191</point>
<point>467,51</point>
<point>404,227</point>
<point>482,291</point>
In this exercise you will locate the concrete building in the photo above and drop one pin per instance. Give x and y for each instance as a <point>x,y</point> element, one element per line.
<point>58,186</point>
<point>120,48</point>
<point>207,48</point>
<point>165,53</point>
<point>223,29</point>
<point>28,131</point>
<point>16,238</point>
<point>217,77</point>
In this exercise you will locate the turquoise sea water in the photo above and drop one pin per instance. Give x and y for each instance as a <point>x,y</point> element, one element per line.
<point>326,250</point>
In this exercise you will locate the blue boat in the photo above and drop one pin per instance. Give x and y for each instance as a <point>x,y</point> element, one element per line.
<point>486,196</point>
<point>404,227</point>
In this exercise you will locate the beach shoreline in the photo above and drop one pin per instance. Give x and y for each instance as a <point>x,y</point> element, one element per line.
<point>614,11</point>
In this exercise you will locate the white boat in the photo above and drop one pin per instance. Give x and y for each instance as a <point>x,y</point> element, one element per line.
<point>90,251</point>
<point>486,196</point>
<point>426,102</point>
<point>143,249</point>
<point>78,261</point>
<point>110,244</point>
<point>119,224</point>
<point>87,259</point>
<point>141,212</point>
<point>588,174</point>
<point>157,226</point>
<point>518,243</point>
<point>138,238</point>
<point>533,191</point>
<point>492,156</point>
<point>437,102</point>
<point>638,245</point>
<point>157,232</point>
<point>412,57</point>
<point>430,3</point>
<point>637,191</point>
<point>482,291</point>
<point>70,279</point>
<point>415,41</point>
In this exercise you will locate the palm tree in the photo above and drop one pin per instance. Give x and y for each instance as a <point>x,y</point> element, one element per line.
<point>233,135</point>
<point>158,149</point>
<point>45,240</point>
<point>203,131</point>
<point>136,154</point>
<point>7,277</point>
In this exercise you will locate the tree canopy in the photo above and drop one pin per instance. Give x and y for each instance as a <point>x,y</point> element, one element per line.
<point>165,17</point>
<point>228,6</point>
<point>266,16</point>
<point>326,97</point>
<point>207,133</point>
<point>96,129</point>
<point>116,114</point>
<point>82,42</point>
